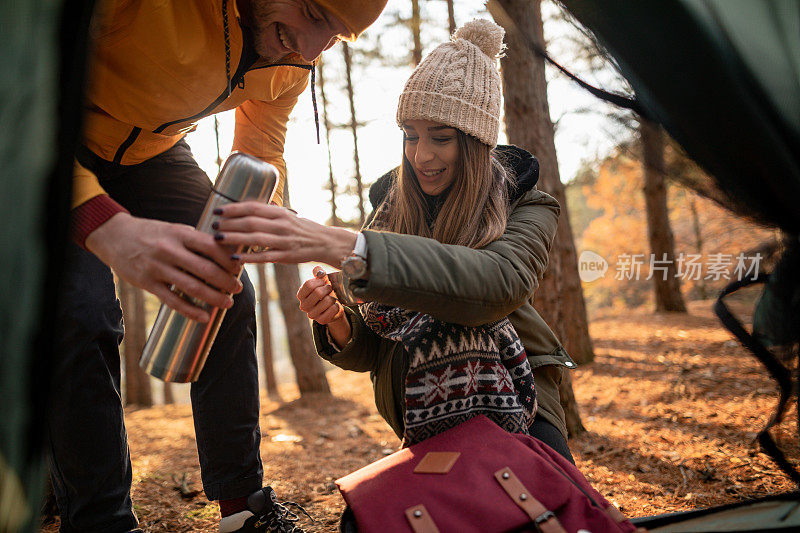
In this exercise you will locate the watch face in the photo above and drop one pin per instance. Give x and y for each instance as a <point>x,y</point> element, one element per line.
<point>354,267</point>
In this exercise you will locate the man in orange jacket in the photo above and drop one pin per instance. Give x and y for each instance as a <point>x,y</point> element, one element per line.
<point>157,67</point>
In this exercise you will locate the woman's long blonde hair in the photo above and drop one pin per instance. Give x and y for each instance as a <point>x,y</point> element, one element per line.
<point>474,211</point>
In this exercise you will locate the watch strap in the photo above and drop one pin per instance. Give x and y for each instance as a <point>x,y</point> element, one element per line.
<point>360,248</point>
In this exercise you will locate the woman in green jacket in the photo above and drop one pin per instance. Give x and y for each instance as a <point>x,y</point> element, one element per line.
<point>454,237</point>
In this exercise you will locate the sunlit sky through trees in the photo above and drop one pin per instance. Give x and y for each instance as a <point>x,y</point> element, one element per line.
<point>580,135</point>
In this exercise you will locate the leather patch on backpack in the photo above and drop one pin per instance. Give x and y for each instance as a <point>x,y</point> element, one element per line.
<point>437,462</point>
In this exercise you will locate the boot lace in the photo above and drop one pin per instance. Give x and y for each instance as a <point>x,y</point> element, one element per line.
<point>281,518</point>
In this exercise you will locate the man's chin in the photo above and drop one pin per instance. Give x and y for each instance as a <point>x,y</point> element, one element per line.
<point>267,53</point>
<point>270,56</point>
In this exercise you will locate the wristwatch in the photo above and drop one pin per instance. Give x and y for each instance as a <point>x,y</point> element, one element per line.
<point>355,265</point>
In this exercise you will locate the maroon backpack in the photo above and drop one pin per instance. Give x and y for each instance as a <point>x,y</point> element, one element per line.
<point>477,477</point>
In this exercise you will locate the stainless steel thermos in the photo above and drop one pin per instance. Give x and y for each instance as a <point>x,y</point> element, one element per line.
<point>178,346</point>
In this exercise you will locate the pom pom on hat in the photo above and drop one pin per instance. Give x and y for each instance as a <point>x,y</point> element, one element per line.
<point>458,83</point>
<point>484,34</point>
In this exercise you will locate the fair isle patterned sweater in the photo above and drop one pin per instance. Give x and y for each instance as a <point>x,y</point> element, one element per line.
<point>457,372</point>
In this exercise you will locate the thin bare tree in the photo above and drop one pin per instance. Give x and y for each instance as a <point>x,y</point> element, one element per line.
<point>415,25</point>
<point>216,136</point>
<point>528,124</point>
<point>266,333</point>
<point>451,16</point>
<point>307,365</point>
<point>354,130</point>
<point>334,220</point>
<point>698,240</point>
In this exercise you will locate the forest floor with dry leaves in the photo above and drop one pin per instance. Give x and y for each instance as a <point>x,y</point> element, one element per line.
<point>671,403</point>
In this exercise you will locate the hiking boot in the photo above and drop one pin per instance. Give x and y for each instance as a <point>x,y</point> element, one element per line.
<point>265,514</point>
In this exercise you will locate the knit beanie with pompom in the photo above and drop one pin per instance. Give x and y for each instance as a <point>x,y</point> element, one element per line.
<point>458,83</point>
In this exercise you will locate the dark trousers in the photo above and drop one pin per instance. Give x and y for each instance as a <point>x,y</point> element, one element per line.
<point>91,467</point>
<point>550,435</point>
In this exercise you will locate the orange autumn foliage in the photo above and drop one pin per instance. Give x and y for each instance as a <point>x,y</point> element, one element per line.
<point>619,235</point>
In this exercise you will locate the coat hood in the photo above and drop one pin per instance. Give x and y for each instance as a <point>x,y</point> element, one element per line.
<point>523,165</point>
<point>357,15</point>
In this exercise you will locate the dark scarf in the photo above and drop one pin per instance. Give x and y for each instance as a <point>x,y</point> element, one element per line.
<point>457,372</point>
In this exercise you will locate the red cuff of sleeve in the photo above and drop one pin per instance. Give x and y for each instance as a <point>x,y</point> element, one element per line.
<point>90,215</point>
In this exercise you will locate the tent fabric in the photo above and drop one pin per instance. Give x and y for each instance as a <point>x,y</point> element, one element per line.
<point>43,54</point>
<point>772,513</point>
<point>723,77</point>
<point>27,52</point>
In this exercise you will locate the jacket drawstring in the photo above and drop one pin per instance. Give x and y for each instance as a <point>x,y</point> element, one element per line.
<point>227,44</point>
<point>314,97</point>
<point>241,84</point>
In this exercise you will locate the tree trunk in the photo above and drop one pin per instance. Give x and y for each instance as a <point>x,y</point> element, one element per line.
<point>169,396</point>
<point>698,239</point>
<point>662,243</point>
<point>146,397</point>
<point>266,332</point>
<point>334,221</point>
<point>416,23</point>
<point>528,125</point>
<point>137,382</point>
<point>354,129</point>
<point>307,365</point>
<point>527,116</point>
<point>451,16</point>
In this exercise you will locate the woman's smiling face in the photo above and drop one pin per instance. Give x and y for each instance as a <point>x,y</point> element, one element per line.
<point>432,150</point>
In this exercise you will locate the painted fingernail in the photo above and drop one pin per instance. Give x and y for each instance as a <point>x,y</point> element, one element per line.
<point>218,236</point>
<point>217,211</point>
<point>236,257</point>
<point>215,224</point>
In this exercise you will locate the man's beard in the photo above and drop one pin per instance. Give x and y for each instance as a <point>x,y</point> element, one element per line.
<point>264,24</point>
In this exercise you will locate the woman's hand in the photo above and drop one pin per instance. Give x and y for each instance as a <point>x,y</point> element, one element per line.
<point>320,304</point>
<point>289,238</point>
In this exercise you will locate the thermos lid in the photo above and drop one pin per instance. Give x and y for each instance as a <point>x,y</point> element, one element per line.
<point>244,177</point>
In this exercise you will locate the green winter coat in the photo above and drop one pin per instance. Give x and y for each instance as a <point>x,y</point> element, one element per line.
<point>463,286</point>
